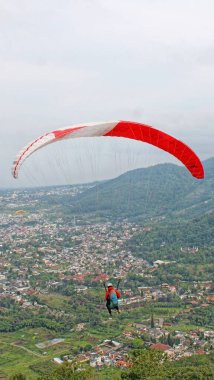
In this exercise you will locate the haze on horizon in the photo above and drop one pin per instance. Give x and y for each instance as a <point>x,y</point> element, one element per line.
<point>67,62</point>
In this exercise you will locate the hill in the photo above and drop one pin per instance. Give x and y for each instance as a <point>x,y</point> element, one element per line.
<point>158,191</point>
<point>191,241</point>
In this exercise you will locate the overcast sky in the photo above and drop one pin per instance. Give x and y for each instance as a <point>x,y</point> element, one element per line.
<point>72,61</point>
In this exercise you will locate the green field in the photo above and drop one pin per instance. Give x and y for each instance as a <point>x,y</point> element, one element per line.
<point>19,352</point>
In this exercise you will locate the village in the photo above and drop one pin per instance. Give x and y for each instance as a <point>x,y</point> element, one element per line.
<point>32,244</point>
<point>115,353</point>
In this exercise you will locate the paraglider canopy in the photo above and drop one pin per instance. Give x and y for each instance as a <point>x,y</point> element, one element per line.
<point>124,129</point>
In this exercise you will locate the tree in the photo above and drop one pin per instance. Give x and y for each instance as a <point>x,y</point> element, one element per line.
<point>70,371</point>
<point>189,373</point>
<point>152,321</point>
<point>146,365</point>
<point>18,376</point>
<point>137,343</point>
<point>154,365</point>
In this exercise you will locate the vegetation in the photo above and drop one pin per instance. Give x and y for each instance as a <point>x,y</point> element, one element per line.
<point>142,193</point>
<point>153,365</point>
<point>202,316</point>
<point>143,365</point>
<point>70,371</point>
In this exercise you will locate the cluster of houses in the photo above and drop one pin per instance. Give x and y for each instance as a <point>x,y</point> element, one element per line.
<point>73,251</point>
<point>108,353</point>
<point>64,250</point>
<point>114,353</point>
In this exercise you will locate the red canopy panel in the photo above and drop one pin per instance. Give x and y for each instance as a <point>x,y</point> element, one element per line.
<point>162,140</point>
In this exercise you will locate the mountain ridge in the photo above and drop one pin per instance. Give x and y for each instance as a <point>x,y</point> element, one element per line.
<point>159,190</point>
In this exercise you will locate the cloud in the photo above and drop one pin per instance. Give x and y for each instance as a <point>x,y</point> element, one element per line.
<point>65,62</point>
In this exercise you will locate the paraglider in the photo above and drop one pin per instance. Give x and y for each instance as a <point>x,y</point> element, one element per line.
<point>124,129</point>
<point>112,295</point>
<point>116,129</point>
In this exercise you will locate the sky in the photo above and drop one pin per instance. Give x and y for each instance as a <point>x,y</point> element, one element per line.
<point>72,61</point>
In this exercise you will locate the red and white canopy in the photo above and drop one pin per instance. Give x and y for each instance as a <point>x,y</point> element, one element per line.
<point>126,129</point>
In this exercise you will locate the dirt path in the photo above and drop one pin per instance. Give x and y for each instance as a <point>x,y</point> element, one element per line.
<point>23,348</point>
<point>27,349</point>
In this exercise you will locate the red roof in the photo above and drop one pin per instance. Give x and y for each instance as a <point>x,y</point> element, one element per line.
<point>101,276</point>
<point>160,346</point>
<point>122,363</point>
<point>200,352</point>
<point>210,298</point>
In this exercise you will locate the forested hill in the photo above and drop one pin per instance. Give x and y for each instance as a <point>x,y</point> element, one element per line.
<point>161,190</point>
<point>185,248</point>
<point>177,241</point>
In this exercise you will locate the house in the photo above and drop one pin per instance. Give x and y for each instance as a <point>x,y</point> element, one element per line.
<point>111,343</point>
<point>80,327</point>
<point>122,364</point>
<point>57,360</point>
<point>210,298</point>
<point>160,347</point>
<point>209,334</point>
<point>200,352</point>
